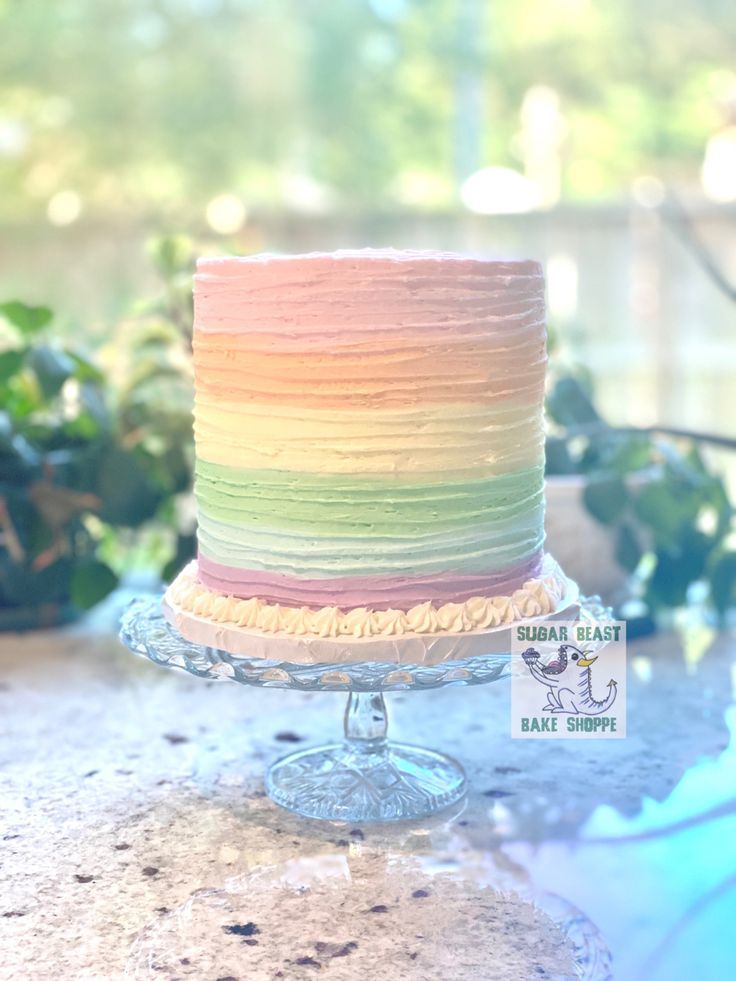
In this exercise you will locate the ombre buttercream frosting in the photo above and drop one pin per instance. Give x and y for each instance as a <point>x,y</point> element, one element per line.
<point>368,430</point>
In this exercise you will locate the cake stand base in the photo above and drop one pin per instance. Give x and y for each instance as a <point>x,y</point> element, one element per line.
<point>365,778</point>
<point>339,784</point>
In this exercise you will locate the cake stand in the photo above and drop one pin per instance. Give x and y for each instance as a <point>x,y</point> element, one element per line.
<point>365,777</point>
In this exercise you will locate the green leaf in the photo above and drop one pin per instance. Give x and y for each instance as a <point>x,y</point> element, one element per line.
<point>51,367</point>
<point>10,363</point>
<point>93,406</point>
<point>665,507</point>
<point>557,457</point>
<point>84,370</point>
<point>171,253</point>
<point>186,548</point>
<point>129,497</point>
<point>676,568</point>
<point>83,428</point>
<point>723,581</point>
<point>669,581</point>
<point>628,550</point>
<point>605,498</point>
<point>570,405</point>
<point>91,582</point>
<point>22,397</point>
<point>17,457</point>
<point>28,320</point>
<point>39,537</point>
<point>623,452</point>
<point>21,585</point>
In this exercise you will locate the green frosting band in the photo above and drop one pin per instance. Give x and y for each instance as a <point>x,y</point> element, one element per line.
<point>337,505</point>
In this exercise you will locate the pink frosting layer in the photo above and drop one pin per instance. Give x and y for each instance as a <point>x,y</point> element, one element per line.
<point>290,301</point>
<point>376,592</point>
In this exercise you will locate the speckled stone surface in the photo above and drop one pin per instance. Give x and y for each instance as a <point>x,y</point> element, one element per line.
<point>136,832</point>
<point>357,916</point>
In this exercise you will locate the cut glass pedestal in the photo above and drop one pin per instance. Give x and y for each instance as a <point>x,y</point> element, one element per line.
<point>366,777</point>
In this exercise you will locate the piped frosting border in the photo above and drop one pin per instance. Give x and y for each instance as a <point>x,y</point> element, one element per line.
<point>537,597</point>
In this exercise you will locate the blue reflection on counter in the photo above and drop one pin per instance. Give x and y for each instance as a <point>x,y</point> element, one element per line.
<point>660,886</point>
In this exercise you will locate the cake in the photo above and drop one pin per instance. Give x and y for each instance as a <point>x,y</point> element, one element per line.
<point>369,445</point>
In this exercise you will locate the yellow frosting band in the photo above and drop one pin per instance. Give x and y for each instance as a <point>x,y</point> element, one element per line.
<point>482,440</point>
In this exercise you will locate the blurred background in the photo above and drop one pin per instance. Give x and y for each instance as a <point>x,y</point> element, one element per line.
<point>598,137</point>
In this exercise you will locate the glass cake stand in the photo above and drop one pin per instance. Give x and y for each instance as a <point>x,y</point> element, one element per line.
<point>366,777</point>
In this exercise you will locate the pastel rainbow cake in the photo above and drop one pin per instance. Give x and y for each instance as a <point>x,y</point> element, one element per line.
<point>369,442</point>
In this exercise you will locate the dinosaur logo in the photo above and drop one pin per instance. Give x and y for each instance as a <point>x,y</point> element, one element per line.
<point>568,680</point>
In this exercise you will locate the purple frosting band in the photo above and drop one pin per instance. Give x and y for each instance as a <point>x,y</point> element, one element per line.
<point>376,592</point>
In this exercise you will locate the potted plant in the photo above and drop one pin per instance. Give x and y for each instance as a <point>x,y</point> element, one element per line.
<point>68,476</point>
<point>150,363</point>
<point>627,501</point>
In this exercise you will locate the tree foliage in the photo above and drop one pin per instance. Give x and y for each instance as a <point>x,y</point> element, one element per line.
<point>157,107</point>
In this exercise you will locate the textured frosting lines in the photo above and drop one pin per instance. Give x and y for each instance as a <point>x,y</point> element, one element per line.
<point>349,297</point>
<point>459,439</point>
<point>369,422</point>
<point>484,525</point>
<point>376,375</point>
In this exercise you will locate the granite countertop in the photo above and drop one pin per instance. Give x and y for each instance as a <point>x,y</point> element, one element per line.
<point>138,841</point>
